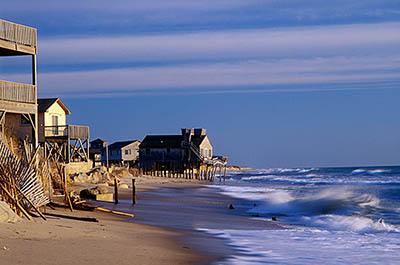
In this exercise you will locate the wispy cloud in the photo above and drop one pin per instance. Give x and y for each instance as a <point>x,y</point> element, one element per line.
<point>382,38</point>
<point>346,55</point>
<point>318,74</point>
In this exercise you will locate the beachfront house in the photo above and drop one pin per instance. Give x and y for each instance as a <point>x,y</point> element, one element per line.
<point>18,101</point>
<point>52,117</point>
<point>98,149</point>
<point>122,153</point>
<point>169,152</point>
<point>67,144</point>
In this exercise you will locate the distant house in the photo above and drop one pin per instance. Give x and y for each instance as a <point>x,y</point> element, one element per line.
<point>189,149</point>
<point>97,151</point>
<point>126,152</point>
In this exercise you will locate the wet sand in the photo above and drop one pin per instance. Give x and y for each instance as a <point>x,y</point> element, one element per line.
<point>187,207</point>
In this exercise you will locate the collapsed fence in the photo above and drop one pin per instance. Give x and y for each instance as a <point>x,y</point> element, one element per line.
<point>20,186</point>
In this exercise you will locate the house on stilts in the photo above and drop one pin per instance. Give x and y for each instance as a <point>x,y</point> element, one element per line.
<point>64,143</point>
<point>18,101</point>
<point>188,155</point>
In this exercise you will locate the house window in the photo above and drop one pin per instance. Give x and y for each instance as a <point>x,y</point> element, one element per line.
<point>209,153</point>
<point>147,151</point>
<point>54,120</point>
<point>128,152</point>
<point>205,152</point>
<point>24,121</point>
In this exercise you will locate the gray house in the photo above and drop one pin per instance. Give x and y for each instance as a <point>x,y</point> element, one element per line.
<point>170,152</point>
<point>126,152</point>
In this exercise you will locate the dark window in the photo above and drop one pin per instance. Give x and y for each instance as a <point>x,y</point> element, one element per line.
<point>168,150</point>
<point>147,151</point>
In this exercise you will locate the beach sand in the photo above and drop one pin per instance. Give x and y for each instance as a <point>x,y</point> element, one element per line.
<point>163,231</point>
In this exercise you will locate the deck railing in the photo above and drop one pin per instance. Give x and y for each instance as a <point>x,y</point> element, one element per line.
<point>17,92</point>
<point>17,33</point>
<point>71,131</point>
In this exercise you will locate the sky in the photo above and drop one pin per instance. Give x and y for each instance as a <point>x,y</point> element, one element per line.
<point>276,83</point>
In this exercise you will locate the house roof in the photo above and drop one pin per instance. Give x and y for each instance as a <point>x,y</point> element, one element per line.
<point>168,141</point>
<point>162,141</point>
<point>45,103</point>
<point>98,140</point>
<point>119,145</point>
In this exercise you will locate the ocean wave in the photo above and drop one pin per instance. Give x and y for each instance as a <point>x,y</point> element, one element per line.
<point>329,201</point>
<point>370,171</point>
<point>285,170</point>
<point>243,192</point>
<point>261,177</point>
<point>350,223</point>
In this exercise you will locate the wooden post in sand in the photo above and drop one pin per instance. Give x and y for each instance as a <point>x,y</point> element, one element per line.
<point>133,191</point>
<point>115,191</point>
<point>224,174</point>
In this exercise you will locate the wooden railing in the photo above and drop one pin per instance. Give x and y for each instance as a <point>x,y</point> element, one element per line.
<point>17,33</point>
<point>71,131</point>
<point>17,92</point>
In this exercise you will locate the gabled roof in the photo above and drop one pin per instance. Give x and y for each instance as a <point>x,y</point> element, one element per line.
<point>119,145</point>
<point>45,103</point>
<point>162,141</point>
<point>98,140</point>
<point>168,141</point>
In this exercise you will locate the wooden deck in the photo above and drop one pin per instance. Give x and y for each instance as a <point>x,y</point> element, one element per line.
<point>66,131</point>
<point>17,39</point>
<point>17,97</point>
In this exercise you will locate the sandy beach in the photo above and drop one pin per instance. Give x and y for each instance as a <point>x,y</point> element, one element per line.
<point>163,231</point>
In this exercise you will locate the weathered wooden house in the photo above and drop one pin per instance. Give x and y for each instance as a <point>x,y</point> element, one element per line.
<point>98,152</point>
<point>126,152</point>
<point>191,149</point>
<point>18,101</point>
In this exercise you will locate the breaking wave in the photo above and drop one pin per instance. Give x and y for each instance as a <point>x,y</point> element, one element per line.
<point>370,171</point>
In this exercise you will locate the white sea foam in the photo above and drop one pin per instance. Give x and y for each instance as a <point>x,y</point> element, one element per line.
<point>261,177</point>
<point>370,172</point>
<point>310,246</point>
<point>356,224</point>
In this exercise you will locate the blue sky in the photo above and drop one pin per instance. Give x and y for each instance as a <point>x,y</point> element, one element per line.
<point>276,83</point>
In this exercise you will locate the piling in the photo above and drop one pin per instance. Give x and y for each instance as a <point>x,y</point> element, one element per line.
<point>133,192</point>
<point>115,191</point>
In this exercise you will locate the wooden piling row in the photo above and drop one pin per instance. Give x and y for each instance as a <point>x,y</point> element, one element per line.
<point>205,172</point>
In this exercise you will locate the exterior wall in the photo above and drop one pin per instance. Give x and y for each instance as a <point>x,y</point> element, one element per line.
<point>114,155</point>
<point>161,154</point>
<point>55,109</point>
<point>130,152</point>
<point>206,148</point>
<point>21,131</point>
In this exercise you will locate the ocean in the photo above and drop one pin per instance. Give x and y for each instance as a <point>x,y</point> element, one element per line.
<point>330,215</point>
